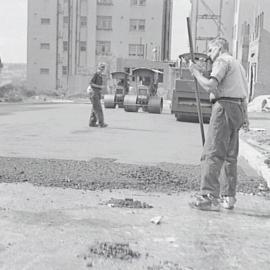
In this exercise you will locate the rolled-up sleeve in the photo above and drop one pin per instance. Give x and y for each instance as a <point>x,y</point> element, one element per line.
<point>219,69</point>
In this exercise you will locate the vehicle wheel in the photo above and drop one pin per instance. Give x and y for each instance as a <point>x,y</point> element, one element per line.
<point>130,103</point>
<point>109,101</point>
<point>155,104</point>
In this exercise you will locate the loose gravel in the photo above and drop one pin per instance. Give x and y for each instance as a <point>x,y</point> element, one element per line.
<point>167,265</point>
<point>127,203</point>
<point>120,251</point>
<point>100,174</point>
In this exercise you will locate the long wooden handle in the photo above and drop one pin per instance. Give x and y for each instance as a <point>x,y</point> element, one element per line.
<point>196,83</point>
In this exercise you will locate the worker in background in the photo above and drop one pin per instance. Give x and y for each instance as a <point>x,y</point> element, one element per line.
<point>94,91</point>
<point>228,87</point>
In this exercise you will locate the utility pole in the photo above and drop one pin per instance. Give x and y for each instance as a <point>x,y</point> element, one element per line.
<point>209,15</point>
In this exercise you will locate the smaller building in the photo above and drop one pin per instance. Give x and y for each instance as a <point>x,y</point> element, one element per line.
<point>252,43</point>
<point>259,60</point>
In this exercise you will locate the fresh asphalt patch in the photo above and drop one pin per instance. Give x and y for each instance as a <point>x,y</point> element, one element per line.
<point>101,174</point>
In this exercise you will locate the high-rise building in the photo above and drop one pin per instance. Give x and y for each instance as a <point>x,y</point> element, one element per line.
<point>67,38</point>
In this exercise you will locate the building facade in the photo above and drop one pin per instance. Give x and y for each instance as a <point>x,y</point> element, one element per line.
<point>67,38</point>
<point>252,43</point>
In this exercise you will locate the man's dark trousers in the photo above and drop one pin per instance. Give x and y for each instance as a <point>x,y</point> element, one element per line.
<point>96,111</point>
<point>219,157</point>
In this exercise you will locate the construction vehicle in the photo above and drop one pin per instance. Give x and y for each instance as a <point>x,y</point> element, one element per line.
<point>146,81</point>
<point>184,105</point>
<point>121,80</point>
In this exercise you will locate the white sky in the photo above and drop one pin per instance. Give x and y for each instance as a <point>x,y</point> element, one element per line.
<point>13,29</point>
<point>181,10</point>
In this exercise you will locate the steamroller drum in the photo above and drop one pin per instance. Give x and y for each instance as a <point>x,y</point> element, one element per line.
<point>190,117</point>
<point>155,104</point>
<point>130,103</point>
<point>186,117</point>
<point>109,101</point>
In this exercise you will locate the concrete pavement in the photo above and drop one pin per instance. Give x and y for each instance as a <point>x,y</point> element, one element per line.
<point>51,228</point>
<point>255,144</point>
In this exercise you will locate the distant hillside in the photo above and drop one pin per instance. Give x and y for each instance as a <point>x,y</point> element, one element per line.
<point>14,73</point>
<point>13,83</point>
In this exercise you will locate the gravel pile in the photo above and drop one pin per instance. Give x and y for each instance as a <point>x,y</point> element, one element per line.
<point>127,203</point>
<point>120,251</point>
<point>100,174</point>
<point>167,265</point>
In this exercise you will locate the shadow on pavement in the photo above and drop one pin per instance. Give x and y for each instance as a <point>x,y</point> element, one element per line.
<point>249,213</point>
<point>114,128</point>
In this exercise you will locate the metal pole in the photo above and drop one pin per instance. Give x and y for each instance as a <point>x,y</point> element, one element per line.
<point>196,83</point>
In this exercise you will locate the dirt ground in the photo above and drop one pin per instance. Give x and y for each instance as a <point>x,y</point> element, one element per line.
<point>52,228</point>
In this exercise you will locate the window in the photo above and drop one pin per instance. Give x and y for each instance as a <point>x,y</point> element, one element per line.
<point>136,50</point>
<point>64,70</point>
<point>66,19</point>
<point>83,21</point>
<point>65,46</point>
<point>45,21</point>
<point>45,46</point>
<point>83,46</point>
<point>104,2</point>
<point>104,23</point>
<point>44,71</point>
<point>132,51</point>
<point>136,25</point>
<point>103,48</point>
<point>137,2</point>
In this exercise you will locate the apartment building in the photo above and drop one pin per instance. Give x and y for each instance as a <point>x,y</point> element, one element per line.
<point>67,38</point>
<point>252,43</point>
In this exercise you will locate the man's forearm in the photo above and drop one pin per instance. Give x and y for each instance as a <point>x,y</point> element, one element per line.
<point>206,84</point>
<point>96,85</point>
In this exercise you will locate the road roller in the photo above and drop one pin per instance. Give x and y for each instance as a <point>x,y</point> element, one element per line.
<point>121,82</point>
<point>146,81</point>
<point>184,105</point>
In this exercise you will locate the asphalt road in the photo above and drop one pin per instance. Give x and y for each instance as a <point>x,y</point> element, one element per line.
<point>55,222</point>
<point>61,131</point>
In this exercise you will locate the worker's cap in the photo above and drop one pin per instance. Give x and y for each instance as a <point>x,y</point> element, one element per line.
<point>101,66</point>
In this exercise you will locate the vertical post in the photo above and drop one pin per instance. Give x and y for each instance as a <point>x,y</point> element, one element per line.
<point>196,83</point>
<point>57,45</point>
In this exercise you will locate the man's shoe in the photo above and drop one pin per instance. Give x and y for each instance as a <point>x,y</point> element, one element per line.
<point>103,125</point>
<point>205,203</point>
<point>93,125</point>
<point>228,202</point>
